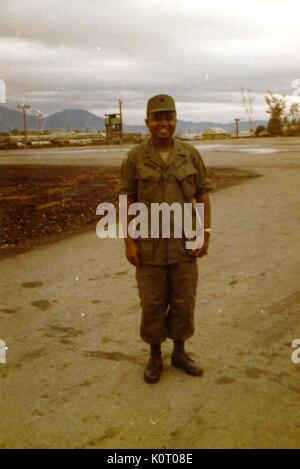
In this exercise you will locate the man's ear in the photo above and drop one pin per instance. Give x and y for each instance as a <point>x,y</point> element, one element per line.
<point>146,121</point>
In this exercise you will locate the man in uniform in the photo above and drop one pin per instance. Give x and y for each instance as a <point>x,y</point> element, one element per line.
<point>165,169</point>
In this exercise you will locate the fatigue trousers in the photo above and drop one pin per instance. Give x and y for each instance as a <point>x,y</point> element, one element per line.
<point>167,294</point>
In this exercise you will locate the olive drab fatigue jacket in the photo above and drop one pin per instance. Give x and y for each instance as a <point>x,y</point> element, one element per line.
<point>147,178</point>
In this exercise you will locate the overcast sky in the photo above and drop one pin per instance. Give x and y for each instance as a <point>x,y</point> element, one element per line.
<point>58,54</point>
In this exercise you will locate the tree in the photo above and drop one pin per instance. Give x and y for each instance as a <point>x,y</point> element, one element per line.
<point>293,120</point>
<point>294,114</point>
<point>276,106</point>
<point>259,129</point>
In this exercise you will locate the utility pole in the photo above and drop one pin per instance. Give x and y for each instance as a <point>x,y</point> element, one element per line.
<point>237,121</point>
<point>38,117</point>
<point>121,120</point>
<point>24,107</point>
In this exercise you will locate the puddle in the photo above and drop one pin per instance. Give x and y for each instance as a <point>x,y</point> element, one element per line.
<point>260,150</point>
<point>237,149</point>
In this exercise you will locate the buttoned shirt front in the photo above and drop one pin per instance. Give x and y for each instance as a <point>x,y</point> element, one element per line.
<point>147,178</point>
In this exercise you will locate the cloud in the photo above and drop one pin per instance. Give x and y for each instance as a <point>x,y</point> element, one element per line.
<point>91,52</point>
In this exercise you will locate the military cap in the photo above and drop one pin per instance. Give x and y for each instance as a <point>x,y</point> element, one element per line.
<point>161,102</point>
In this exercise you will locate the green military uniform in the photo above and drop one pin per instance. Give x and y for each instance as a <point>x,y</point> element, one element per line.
<point>167,277</point>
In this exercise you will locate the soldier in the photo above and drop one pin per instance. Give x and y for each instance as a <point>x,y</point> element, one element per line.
<point>165,169</point>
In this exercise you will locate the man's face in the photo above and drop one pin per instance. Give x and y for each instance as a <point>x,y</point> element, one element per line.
<point>161,124</point>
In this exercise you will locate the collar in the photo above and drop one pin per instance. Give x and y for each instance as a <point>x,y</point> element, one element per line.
<point>177,153</point>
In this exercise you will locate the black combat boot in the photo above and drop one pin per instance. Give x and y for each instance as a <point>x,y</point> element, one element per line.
<point>154,365</point>
<point>180,359</point>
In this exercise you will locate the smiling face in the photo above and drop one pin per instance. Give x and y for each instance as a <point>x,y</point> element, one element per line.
<point>161,125</point>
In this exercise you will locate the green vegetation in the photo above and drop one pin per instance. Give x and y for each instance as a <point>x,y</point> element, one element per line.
<point>282,122</point>
<point>259,131</point>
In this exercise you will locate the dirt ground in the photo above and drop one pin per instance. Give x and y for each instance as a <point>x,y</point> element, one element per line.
<point>42,204</point>
<point>46,203</point>
<point>70,313</point>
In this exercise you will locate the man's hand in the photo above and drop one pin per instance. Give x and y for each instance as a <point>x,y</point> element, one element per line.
<point>204,199</point>
<point>203,250</point>
<point>132,252</point>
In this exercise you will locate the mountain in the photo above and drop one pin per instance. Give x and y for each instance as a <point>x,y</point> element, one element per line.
<point>74,119</point>
<point>67,119</point>
<point>10,119</point>
<point>194,127</point>
<point>229,126</point>
<point>82,120</point>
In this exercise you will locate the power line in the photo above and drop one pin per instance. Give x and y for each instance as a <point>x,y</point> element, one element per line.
<point>248,101</point>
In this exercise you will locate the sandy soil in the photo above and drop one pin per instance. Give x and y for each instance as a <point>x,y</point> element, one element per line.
<point>69,315</point>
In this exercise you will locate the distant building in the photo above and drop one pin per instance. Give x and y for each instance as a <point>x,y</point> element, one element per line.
<point>186,135</point>
<point>215,133</point>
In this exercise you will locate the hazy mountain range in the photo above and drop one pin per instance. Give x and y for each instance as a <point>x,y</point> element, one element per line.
<point>84,120</point>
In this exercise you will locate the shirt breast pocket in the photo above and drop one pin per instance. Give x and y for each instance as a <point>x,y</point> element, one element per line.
<point>148,182</point>
<point>185,174</point>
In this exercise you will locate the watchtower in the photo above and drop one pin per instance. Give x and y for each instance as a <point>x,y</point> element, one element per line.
<point>114,126</point>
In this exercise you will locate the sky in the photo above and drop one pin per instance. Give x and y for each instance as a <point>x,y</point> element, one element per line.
<point>86,54</point>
